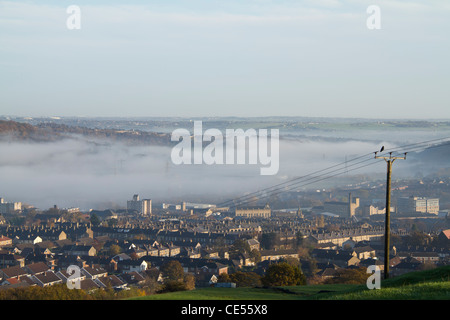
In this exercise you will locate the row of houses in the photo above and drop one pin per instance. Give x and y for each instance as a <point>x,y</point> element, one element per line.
<point>36,234</point>
<point>88,278</point>
<point>340,237</point>
<point>84,247</point>
<point>94,276</point>
<point>199,251</point>
<point>181,236</point>
<point>343,258</point>
<point>331,259</point>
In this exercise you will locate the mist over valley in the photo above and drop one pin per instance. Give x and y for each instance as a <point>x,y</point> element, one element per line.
<point>101,163</point>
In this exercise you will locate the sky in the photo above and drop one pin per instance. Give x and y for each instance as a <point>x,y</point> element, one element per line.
<point>246,58</point>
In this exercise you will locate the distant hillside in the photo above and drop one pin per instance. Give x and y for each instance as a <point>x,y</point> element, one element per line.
<point>51,131</point>
<point>126,136</point>
<point>45,132</point>
<point>439,152</point>
<point>17,131</point>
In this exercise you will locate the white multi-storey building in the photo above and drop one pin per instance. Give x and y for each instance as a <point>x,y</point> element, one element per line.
<point>9,207</point>
<point>143,206</point>
<point>418,204</point>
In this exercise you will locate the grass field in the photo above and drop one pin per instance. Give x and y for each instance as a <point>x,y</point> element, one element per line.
<point>421,285</point>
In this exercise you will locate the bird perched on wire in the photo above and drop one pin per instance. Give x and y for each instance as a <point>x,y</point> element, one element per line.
<point>382,149</point>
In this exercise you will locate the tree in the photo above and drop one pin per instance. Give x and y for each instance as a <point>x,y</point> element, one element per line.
<point>55,292</point>
<point>241,246</point>
<point>283,274</point>
<point>17,221</point>
<point>114,249</point>
<point>417,238</point>
<point>112,222</point>
<point>298,239</point>
<point>189,282</point>
<point>175,279</point>
<point>269,240</point>
<point>255,255</point>
<point>309,266</point>
<point>152,273</point>
<point>245,279</point>
<point>95,220</point>
<point>304,252</point>
<point>172,270</point>
<point>173,285</point>
<point>350,276</point>
<point>291,261</point>
<point>223,277</point>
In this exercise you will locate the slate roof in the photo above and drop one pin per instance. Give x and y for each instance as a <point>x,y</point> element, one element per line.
<point>63,275</point>
<point>111,280</point>
<point>132,277</point>
<point>363,249</point>
<point>370,262</point>
<point>47,277</point>
<point>14,271</point>
<point>94,270</point>
<point>37,267</point>
<point>328,272</point>
<point>88,284</point>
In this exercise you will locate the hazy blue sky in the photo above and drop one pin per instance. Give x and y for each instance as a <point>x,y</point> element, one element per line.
<point>225,58</point>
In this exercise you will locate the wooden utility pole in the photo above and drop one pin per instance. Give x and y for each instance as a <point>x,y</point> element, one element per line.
<point>387,232</point>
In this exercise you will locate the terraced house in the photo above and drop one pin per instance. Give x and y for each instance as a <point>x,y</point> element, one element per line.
<point>339,237</point>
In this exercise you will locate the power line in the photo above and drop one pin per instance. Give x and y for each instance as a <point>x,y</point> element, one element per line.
<point>423,142</point>
<point>422,148</point>
<point>294,182</point>
<point>315,180</point>
<point>419,146</point>
<point>298,184</point>
<point>272,194</point>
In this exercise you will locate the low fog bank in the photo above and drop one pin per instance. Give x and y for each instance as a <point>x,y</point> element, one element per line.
<point>100,175</point>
